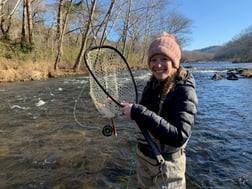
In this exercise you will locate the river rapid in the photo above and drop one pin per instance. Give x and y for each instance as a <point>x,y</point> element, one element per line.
<point>50,135</point>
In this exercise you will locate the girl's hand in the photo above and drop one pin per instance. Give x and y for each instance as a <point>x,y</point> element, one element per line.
<point>126,109</point>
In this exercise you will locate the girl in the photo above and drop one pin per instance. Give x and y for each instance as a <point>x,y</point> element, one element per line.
<point>167,110</point>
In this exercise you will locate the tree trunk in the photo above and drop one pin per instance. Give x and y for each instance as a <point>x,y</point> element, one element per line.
<point>84,38</point>
<point>59,34</point>
<point>146,33</point>
<point>5,20</point>
<point>23,32</point>
<point>61,39</point>
<point>108,15</point>
<point>27,16</point>
<point>29,24</point>
<point>4,30</point>
<point>126,27</point>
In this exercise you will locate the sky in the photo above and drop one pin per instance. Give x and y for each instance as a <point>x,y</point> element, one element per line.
<point>214,22</point>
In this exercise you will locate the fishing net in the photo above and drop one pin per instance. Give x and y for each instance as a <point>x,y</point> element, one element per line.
<point>111,80</point>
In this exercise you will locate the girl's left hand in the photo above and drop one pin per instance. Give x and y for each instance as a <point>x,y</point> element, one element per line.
<point>126,109</point>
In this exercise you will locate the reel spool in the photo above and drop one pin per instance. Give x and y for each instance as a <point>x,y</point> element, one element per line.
<point>107,130</point>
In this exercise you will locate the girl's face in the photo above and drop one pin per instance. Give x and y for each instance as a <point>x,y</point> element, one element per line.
<point>161,67</point>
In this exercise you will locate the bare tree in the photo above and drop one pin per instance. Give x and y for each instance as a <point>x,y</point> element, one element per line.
<point>6,12</point>
<point>150,18</point>
<point>27,44</point>
<point>106,21</point>
<point>23,33</point>
<point>59,34</point>
<point>2,2</point>
<point>5,31</point>
<point>179,25</point>
<point>84,37</point>
<point>126,26</point>
<point>61,27</point>
<point>60,19</point>
<point>29,23</point>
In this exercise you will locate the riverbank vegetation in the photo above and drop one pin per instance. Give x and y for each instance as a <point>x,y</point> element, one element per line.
<point>41,39</point>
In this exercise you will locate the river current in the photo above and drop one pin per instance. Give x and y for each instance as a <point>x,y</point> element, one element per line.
<point>50,135</point>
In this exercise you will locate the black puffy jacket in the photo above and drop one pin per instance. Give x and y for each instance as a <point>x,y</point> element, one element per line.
<point>174,124</point>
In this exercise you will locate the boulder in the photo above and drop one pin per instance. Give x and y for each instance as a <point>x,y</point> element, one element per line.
<point>232,76</point>
<point>217,76</point>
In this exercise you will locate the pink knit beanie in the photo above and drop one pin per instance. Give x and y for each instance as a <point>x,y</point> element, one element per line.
<point>165,44</point>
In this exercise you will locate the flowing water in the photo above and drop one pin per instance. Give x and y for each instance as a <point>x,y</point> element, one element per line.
<point>50,135</point>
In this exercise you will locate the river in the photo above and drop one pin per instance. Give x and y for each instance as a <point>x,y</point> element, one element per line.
<point>50,135</point>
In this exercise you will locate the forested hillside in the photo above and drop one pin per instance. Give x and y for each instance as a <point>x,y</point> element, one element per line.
<point>239,49</point>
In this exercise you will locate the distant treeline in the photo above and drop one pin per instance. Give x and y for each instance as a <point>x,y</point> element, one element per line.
<point>239,49</point>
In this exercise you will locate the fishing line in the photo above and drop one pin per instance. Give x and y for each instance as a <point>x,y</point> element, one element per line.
<point>75,107</point>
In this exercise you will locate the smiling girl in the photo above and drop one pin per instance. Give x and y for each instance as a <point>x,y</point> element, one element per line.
<point>167,110</point>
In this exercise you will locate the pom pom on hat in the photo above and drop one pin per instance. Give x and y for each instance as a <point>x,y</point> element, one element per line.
<point>165,44</point>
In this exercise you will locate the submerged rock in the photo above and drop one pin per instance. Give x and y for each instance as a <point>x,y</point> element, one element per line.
<point>217,76</point>
<point>232,76</point>
<point>246,73</point>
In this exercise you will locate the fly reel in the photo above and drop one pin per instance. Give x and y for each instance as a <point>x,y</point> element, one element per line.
<point>107,130</point>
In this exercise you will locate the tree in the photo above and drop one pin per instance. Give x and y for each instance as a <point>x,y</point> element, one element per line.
<point>179,25</point>
<point>61,27</point>
<point>142,20</point>
<point>27,21</point>
<point>84,36</point>
<point>126,26</point>
<point>105,22</point>
<point>23,33</point>
<point>7,10</point>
